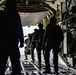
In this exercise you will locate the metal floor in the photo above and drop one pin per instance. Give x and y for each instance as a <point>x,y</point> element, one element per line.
<point>28,68</point>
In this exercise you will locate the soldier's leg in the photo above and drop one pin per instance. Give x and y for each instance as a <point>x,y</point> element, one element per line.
<point>3,57</point>
<point>55,60</point>
<point>47,56</point>
<point>47,63</point>
<point>32,54</point>
<point>15,60</point>
<point>3,61</point>
<point>39,56</point>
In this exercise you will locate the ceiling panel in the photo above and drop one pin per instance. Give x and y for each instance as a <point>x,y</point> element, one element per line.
<point>32,18</point>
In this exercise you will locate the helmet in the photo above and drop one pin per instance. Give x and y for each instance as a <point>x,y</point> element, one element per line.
<point>40,25</point>
<point>53,20</point>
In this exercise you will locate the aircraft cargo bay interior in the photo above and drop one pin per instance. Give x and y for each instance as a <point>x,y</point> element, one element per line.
<point>34,13</point>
